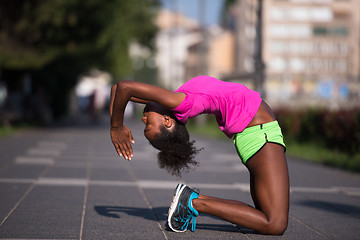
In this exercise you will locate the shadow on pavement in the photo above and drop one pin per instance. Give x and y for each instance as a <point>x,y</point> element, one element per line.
<point>116,211</point>
<point>218,227</point>
<point>161,215</point>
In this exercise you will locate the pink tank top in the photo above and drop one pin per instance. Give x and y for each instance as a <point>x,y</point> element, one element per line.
<point>233,104</point>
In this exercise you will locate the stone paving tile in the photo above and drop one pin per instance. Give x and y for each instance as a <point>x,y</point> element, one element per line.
<point>68,183</point>
<point>46,212</point>
<point>119,213</point>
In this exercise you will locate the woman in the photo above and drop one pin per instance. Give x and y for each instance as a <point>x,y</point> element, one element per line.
<point>242,115</point>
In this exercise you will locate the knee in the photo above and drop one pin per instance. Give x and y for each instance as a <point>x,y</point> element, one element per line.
<point>276,227</point>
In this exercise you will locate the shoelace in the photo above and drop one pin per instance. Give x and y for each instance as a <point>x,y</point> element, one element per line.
<point>189,217</point>
<point>193,224</point>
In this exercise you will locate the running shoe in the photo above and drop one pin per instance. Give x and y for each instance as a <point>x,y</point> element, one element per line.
<point>181,212</point>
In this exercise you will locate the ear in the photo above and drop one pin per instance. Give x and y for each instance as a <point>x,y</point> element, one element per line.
<point>169,122</point>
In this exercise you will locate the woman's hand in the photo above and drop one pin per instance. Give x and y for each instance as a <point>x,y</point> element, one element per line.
<point>121,138</point>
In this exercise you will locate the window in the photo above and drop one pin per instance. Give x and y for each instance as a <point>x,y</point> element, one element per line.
<point>300,31</point>
<point>278,13</point>
<point>299,14</point>
<point>301,1</point>
<point>277,64</point>
<point>278,30</point>
<point>278,47</point>
<point>297,65</point>
<point>320,31</point>
<point>321,14</point>
<point>340,48</point>
<point>340,66</point>
<point>340,31</point>
<point>290,30</point>
<point>301,48</point>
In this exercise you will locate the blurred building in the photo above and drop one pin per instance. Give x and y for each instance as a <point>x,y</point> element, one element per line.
<point>176,35</point>
<point>92,95</point>
<point>310,49</point>
<point>221,52</point>
<point>185,49</point>
<point>244,18</point>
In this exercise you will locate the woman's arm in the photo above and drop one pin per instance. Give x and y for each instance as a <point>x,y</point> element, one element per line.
<point>138,100</point>
<point>112,97</point>
<point>121,94</point>
<point>126,91</point>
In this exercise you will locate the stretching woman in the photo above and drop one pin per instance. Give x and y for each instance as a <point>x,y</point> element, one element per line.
<point>242,115</point>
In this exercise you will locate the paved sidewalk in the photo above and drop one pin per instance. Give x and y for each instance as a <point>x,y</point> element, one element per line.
<point>68,183</point>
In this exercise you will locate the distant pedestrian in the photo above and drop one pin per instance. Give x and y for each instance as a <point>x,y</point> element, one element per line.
<point>242,115</point>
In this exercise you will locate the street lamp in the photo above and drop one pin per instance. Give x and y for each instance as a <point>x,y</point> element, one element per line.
<point>258,58</point>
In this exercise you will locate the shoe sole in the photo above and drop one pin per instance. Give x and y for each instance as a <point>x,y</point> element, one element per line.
<point>175,200</point>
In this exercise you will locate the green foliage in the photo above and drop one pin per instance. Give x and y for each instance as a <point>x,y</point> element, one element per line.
<point>338,130</point>
<point>208,127</point>
<point>328,137</point>
<point>315,152</point>
<point>33,33</point>
<point>55,41</point>
<point>5,131</point>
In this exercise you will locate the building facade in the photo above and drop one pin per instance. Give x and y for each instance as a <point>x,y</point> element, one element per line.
<point>176,35</point>
<point>185,49</point>
<point>310,50</point>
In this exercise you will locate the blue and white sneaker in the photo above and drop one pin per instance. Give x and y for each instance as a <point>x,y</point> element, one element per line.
<point>181,211</point>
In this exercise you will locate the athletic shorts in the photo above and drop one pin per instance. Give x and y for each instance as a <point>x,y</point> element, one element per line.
<point>253,139</point>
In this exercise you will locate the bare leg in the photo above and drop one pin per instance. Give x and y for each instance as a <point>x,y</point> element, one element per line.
<point>269,190</point>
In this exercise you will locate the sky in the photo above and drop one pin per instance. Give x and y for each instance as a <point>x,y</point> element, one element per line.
<point>211,9</point>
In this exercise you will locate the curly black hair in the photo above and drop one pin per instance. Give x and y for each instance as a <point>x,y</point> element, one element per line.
<point>177,152</point>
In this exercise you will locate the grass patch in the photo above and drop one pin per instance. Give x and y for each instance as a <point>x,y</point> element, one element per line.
<point>208,128</point>
<point>309,151</point>
<point>316,153</point>
<point>6,131</point>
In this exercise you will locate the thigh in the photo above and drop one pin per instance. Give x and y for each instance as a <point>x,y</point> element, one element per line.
<point>270,181</point>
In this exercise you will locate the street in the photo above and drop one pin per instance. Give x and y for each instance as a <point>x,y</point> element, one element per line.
<point>68,183</point>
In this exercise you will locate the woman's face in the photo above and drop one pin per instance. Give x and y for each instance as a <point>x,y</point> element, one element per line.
<point>152,121</point>
<point>154,117</point>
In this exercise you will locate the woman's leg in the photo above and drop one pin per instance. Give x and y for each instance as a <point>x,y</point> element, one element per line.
<point>270,192</point>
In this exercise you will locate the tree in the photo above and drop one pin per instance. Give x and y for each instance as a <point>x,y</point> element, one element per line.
<point>59,39</point>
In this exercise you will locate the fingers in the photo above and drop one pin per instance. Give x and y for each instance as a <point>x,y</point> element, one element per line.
<point>131,138</point>
<point>122,139</point>
<point>117,148</point>
<point>126,151</point>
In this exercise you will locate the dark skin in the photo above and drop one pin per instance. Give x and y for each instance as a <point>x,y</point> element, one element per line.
<point>269,179</point>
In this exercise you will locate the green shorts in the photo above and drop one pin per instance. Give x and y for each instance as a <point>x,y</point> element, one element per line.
<point>252,139</point>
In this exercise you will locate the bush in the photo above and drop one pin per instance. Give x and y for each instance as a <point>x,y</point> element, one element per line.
<point>337,130</point>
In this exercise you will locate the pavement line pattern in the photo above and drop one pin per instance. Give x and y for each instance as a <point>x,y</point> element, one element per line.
<point>54,145</point>
<point>307,226</point>
<point>30,188</point>
<point>86,192</point>
<point>152,184</point>
<point>44,152</point>
<point>34,160</point>
<point>145,198</point>
<point>17,203</point>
